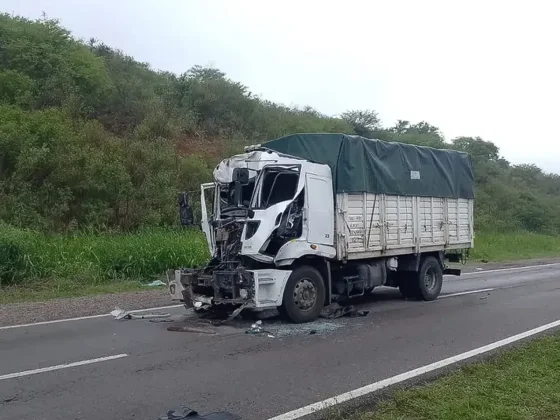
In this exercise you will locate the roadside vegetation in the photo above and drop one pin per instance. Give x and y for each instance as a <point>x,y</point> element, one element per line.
<point>523,383</point>
<point>38,266</point>
<point>95,146</point>
<point>512,246</point>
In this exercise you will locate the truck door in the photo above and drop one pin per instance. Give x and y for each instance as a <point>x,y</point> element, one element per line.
<point>207,197</point>
<point>319,210</point>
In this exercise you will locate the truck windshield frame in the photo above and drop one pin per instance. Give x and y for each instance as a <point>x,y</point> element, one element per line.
<point>282,179</point>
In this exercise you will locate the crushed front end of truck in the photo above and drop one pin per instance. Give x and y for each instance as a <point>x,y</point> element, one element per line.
<point>198,288</point>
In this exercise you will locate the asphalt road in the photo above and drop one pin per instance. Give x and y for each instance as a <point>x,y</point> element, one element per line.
<point>258,377</point>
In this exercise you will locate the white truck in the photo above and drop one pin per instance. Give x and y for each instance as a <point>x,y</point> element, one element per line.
<point>308,219</point>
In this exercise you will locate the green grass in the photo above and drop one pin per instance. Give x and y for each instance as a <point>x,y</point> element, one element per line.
<point>32,263</point>
<point>514,246</point>
<point>519,384</point>
<point>37,266</point>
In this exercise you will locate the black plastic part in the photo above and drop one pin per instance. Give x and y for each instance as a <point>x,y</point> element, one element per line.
<point>186,215</point>
<point>452,271</point>
<point>240,175</point>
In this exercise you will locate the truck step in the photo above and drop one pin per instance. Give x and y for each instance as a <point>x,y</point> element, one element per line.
<point>355,286</point>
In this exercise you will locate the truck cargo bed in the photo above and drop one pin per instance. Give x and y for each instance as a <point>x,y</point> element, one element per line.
<point>371,225</point>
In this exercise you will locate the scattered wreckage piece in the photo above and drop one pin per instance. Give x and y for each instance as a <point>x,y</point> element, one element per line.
<point>119,314</point>
<point>186,413</point>
<point>190,328</point>
<point>257,329</point>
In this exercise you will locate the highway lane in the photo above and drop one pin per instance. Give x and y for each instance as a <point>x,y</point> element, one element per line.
<point>255,376</point>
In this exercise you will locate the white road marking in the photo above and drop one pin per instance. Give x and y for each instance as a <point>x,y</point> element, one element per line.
<point>63,366</point>
<point>376,386</point>
<point>497,270</point>
<point>56,321</point>
<point>469,292</point>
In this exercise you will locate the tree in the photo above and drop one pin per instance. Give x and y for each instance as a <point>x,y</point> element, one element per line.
<point>90,137</point>
<point>479,149</point>
<point>364,122</point>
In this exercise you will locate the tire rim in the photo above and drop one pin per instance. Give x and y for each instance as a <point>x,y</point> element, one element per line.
<point>430,279</point>
<point>305,295</point>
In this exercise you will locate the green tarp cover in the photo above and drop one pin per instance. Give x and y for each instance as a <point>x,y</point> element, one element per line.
<point>364,165</point>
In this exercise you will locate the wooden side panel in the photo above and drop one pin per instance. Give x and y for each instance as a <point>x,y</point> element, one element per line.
<point>380,223</point>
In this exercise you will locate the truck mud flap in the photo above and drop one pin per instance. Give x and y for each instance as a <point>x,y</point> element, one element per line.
<point>452,271</point>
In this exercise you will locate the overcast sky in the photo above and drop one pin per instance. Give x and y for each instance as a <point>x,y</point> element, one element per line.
<point>472,68</point>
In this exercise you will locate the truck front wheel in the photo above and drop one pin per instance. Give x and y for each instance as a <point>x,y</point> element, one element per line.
<point>304,295</point>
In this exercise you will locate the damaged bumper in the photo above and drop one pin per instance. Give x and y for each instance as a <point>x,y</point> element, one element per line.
<point>251,288</point>
<point>221,287</point>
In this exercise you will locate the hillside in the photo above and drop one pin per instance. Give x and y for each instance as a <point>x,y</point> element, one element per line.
<point>92,139</point>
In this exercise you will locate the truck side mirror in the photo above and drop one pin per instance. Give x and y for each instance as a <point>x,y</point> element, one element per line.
<point>240,175</point>
<point>186,216</point>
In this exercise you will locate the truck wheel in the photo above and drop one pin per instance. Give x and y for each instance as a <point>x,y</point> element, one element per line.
<point>430,279</point>
<point>304,295</point>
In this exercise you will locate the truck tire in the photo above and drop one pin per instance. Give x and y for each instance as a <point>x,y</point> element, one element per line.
<point>304,295</point>
<point>430,279</point>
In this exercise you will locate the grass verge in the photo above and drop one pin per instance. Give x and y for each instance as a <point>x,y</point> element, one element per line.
<point>38,292</point>
<point>36,266</point>
<point>523,383</point>
<point>514,246</point>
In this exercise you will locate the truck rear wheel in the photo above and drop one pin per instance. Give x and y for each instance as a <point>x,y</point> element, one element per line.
<point>425,284</point>
<point>304,295</point>
<point>430,279</point>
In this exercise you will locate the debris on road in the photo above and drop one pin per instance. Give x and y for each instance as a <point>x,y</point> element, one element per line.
<point>190,328</point>
<point>256,329</point>
<point>155,283</point>
<point>185,413</point>
<point>119,313</point>
<point>334,310</point>
<point>234,314</point>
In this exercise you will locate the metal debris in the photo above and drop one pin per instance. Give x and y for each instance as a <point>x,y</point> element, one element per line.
<point>234,314</point>
<point>257,329</point>
<point>119,313</point>
<point>190,328</point>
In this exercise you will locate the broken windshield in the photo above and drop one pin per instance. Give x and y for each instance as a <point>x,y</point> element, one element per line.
<point>275,184</point>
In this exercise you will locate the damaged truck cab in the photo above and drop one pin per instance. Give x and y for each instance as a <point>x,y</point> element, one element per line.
<point>283,233</point>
